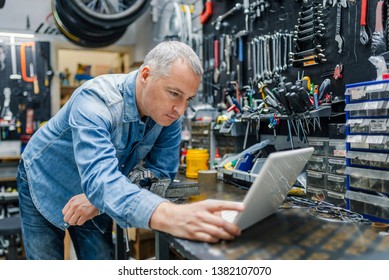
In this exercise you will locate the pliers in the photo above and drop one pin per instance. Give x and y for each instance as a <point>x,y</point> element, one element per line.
<point>363,36</point>
<point>342,2</point>
<point>334,2</point>
<point>325,2</point>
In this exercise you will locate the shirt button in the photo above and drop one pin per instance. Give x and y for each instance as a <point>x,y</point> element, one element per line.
<point>122,165</point>
<point>65,224</point>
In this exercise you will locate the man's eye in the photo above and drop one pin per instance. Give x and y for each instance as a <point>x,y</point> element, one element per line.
<point>175,94</point>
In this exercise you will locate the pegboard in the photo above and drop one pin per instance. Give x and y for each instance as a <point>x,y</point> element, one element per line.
<point>283,16</point>
<point>26,74</point>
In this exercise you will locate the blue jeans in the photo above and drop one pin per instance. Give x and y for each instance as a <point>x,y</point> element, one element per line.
<point>44,241</point>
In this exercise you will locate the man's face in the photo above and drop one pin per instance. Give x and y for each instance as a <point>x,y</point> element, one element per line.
<point>165,99</point>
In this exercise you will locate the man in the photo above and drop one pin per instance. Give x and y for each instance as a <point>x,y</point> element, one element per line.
<point>74,170</point>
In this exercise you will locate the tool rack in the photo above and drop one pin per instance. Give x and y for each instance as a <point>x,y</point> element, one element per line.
<point>268,51</point>
<point>367,144</point>
<point>25,86</point>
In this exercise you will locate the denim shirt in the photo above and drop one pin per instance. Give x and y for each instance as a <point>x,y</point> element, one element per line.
<point>91,145</point>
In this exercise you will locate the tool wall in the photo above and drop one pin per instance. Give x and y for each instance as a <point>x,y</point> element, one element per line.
<point>25,78</point>
<point>296,56</point>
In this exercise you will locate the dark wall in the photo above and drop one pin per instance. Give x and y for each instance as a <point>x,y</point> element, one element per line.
<point>26,95</point>
<point>284,16</point>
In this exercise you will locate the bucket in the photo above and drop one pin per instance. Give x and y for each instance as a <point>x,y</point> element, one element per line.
<point>196,159</point>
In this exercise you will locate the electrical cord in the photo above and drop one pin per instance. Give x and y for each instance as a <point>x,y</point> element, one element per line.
<point>228,181</point>
<point>317,207</point>
<point>327,211</point>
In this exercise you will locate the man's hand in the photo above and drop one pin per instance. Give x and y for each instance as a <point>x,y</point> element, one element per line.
<point>78,210</point>
<point>198,221</point>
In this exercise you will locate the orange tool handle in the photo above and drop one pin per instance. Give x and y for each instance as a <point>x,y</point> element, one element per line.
<point>23,61</point>
<point>363,13</point>
<point>206,13</point>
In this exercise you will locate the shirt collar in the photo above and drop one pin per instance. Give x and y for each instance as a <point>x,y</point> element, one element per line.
<point>130,111</point>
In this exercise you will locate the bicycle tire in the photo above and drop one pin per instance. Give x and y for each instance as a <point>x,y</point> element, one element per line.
<point>108,21</point>
<point>71,30</point>
<point>78,24</point>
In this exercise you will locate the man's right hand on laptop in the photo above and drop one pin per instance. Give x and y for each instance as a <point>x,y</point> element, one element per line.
<point>199,221</point>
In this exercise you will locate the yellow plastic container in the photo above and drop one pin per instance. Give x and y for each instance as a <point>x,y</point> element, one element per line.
<point>196,159</point>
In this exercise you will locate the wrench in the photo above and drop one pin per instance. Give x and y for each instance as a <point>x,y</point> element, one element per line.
<point>268,56</point>
<point>266,73</point>
<point>338,37</point>
<point>317,49</point>
<point>274,40</point>
<point>285,65</point>
<point>260,58</point>
<point>342,2</point>
<point>220,18</point>
<point>363,36</point>
<point>227,53</point>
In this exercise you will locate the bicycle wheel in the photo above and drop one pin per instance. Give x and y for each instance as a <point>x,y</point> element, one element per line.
<point>81,33</point>
<point>109,14</point>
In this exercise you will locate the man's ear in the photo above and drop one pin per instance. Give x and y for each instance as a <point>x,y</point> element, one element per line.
<point>144,73</point>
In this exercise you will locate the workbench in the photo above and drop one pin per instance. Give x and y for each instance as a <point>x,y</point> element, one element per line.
<point>291,233</point>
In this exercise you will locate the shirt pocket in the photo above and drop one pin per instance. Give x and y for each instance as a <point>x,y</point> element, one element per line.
<point>120,138</point>
<point>143,150</point>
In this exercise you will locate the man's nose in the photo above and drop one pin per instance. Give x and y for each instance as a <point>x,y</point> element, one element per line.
<point>180,108</point>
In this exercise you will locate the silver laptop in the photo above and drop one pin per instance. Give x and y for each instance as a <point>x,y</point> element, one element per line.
<point>270,188</point>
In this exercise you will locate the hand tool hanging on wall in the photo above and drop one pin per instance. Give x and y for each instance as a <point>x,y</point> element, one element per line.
<point>239,66</point>
<point>240,37</point>
<point>246,11</point>
<point>219,19</point>
<point>30,121</point>
<point>32,78</point>
<point>363,36</point>
<point>206,14</point>
<point>338,37</point>
<point>14,75</point>
<point>308,37</point>
<point>227,53</point>
<point>378,44</point>
<point>6,113</point>
<point>48,71</point>
<point>216,70</point>
<point>222,54</point>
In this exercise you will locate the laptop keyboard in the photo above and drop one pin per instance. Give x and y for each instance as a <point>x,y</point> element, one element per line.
<point>229,215</point>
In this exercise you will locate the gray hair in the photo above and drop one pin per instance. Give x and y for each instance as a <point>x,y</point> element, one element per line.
<point>162,56</point>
